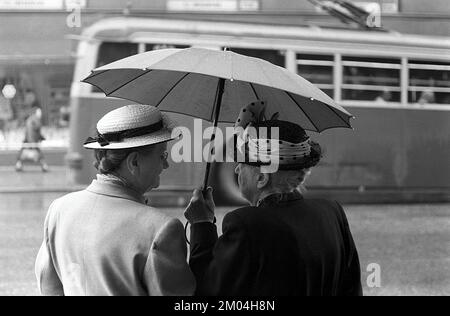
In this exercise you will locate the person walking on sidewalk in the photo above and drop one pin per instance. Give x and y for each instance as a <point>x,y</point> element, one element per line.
<point>31,150</point>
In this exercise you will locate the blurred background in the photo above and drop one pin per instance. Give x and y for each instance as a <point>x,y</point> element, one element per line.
<point>386,61</point>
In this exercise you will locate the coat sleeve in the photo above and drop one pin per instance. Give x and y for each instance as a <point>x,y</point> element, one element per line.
<point>49,283</point>
<point>167,272</point>
<point>351,285</point>
<point>222,266</point>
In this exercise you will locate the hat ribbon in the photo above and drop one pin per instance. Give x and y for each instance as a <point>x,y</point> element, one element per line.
<point>106,139</point>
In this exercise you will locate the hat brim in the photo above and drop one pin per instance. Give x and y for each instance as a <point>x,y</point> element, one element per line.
<point>164,135</point>
<point>147,140</point>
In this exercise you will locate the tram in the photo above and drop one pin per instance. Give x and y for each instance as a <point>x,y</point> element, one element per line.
<point>397,86</point>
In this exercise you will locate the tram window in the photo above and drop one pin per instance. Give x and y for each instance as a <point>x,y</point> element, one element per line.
<point>315,57</point>
<point>274,56</point>
<point>371,79</point>
<point>366,59</point>
<point>371,76</point>
<point>317,69</point>
<point>316,74</point>
<point>429,82</point>
<point>377,96</point>
<point>112,51</point>
<point>150,47</point>
<point>429,78</point>
<point>428,96</point>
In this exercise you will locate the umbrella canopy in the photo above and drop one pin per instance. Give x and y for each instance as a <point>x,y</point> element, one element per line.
<point>190,81</point>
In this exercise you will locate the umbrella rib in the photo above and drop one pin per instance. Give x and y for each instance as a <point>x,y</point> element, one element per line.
<point>304,112</point>
<point>254,90</point>
<point>94,75</point>
<point>171,89</point>
<point>215,101</point>
<point>334,111</point>
<point>129,81</point>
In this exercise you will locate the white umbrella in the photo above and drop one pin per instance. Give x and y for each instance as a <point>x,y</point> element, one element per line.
<point>214,85</point>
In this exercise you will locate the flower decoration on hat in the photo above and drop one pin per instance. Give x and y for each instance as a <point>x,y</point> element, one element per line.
<point>258,149</point>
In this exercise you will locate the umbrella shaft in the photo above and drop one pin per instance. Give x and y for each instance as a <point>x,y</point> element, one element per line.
<point>217,106</point>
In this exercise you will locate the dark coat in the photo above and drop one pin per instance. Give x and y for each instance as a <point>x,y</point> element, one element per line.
<point>281,248</point>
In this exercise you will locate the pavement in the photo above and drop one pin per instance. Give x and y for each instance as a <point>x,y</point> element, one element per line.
<point>409,243</point>
<point>33,180</point>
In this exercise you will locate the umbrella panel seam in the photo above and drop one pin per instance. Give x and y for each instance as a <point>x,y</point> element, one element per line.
<point>172,88</point>
<point>254,90</point>
<point>94,74</point>
<point>345,122</point>
<point>304,112</point>
<point>128,82</point>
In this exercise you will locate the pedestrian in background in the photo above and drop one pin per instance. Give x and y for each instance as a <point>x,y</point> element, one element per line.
<point>6,115</point>
<point>31,149</point>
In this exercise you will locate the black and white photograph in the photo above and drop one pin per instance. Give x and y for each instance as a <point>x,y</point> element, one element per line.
<point>216,150</point>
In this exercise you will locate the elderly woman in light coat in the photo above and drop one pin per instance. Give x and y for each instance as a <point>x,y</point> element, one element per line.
<point>105,240</point>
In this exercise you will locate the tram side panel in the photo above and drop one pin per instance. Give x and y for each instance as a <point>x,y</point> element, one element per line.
<point>389,149</point>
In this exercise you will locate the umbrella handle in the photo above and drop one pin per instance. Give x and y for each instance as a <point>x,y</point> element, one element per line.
<point>216,109</point>
<point>206,179</point>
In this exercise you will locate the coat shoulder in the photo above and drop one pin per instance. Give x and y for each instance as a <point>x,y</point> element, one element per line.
<point>243,217</point>
<point>326,206</point>
<point>251,214</point>
<point>242,213</point>
<point>322,203</point>
<point>63,202</point>
<point>142,216</point>
<point>153,216</point>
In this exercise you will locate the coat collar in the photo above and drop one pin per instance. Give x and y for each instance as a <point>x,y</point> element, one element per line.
<point>115,190</point>
<point>277,198</point>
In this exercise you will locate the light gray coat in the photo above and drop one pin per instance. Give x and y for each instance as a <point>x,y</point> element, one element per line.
<point>105,241</point>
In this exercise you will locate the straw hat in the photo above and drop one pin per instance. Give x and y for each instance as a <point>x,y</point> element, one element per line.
<point>132,126</point>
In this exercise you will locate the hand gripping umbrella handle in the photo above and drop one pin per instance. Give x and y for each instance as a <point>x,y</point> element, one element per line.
<point>216,111</point>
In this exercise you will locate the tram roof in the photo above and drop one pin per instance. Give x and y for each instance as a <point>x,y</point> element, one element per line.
<point>131,28</point>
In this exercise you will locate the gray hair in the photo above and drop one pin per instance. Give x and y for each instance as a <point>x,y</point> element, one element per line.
<point>289,180</point>
<point>107,161</point>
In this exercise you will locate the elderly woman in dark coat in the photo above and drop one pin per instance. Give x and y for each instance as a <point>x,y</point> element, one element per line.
<point>281,245</point>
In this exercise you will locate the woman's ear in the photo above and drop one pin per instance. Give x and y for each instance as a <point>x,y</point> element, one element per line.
<point>262,180</point>
<point>132,162</point>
